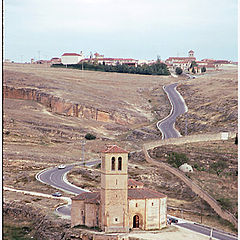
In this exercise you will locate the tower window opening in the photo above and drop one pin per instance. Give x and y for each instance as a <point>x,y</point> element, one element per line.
<point>113,163</point>
<point>136,204</point>
<point>116,181</point>
<point>152,203</point>
<point>120,163</point>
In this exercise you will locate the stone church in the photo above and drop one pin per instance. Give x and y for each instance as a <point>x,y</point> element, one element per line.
<point>122,203</point>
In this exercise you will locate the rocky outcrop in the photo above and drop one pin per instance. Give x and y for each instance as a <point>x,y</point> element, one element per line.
<point>61,106</point>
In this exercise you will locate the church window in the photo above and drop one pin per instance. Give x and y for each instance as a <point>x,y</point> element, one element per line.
<point>113,163</point>
<point>120,163</point>
<point>136,204</point>
<point>116,219</point>
<point>152,203</point>
<point>116,181</point>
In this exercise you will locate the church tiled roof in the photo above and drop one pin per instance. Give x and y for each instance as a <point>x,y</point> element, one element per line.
<point>143,193</point>
<point>114,149</point>
<point>132,182</point>
<point>133,193</point>
<point>88,197</point>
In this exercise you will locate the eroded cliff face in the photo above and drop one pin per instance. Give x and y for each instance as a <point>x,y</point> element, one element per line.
<point>61,106</point>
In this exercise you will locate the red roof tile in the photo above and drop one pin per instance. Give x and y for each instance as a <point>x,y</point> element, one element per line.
<point>89,197</point>
<point>133,193</point>
<point>113,149</point>
<point>181,58</point>
<point>71,54</point>
<point>132,182</point>
<point>144,193</point>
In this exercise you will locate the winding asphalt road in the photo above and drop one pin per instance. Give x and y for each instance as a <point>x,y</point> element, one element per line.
<point>167,125</point>
<point>56,177</point>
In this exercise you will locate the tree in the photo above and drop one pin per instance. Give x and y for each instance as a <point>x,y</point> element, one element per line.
<point>177,159</point>
<point>90,136</point>
<point>178,71</point>
<point>193,64</point>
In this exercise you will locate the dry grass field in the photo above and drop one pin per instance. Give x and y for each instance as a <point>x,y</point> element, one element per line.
<point>35,138</point>
<point>212,102</point>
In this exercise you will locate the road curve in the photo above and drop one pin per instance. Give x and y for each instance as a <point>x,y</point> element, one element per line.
<point>167,125</point>
<point>57,178</point>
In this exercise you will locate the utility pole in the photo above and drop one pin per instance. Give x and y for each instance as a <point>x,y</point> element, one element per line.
<point>201,208</point>
<point>186,124</point>
<point>211,233</point>
<point>83,143</point>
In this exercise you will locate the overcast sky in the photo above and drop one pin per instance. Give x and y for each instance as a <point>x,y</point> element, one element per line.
<point>141,29</point>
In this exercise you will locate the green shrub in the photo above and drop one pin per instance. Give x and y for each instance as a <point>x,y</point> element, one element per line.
<point>177,159</point>
<point>218,167</point>
<point>225,203</point>
<point>90,136</point>
<point>178,71</point>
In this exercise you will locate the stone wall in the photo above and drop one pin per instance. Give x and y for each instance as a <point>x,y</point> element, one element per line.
<point>77,212</point>
<point>187,139</point>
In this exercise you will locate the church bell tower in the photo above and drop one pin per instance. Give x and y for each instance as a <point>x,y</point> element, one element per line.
<point>114,190</point>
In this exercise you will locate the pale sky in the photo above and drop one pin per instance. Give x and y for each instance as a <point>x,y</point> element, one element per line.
<point>140,29</point>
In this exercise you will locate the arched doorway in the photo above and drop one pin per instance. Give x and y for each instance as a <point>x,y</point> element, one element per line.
<point>136,221</point>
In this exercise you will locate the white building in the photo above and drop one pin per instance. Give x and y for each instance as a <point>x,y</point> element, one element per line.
<point>186,168</point>
<point>71,58</point>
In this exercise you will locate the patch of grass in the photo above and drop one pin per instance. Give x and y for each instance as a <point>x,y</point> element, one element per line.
<point>11,232</point>
<point>177,159</point>
<point>225,203</point>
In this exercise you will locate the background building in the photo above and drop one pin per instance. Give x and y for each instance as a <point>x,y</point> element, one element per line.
<point>71,58</point>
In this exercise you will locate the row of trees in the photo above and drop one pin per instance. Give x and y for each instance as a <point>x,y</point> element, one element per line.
<point>155,69</point>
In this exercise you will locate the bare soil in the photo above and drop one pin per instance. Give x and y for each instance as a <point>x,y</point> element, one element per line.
<point>212,102</point>
<point>35,139</point>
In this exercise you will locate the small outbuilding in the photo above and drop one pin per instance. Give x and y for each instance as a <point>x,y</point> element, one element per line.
<point>186,168</point>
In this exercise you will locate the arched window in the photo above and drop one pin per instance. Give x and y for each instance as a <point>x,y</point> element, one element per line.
<point>113,163</point>
<point>120,163</point>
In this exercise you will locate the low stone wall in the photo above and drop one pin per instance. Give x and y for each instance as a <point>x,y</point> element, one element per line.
<point>195,188</point>
<point>187,139</point>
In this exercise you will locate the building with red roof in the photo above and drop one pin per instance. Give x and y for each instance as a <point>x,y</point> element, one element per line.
<point>122,203</point>
<point>71,58</point>
<point>183,62</point>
